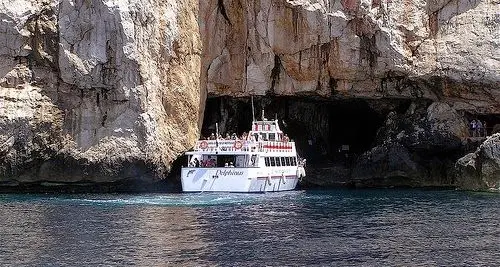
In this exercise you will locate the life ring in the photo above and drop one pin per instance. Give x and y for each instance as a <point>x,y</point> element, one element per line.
<point>203,144</point>
<point>238,145</point>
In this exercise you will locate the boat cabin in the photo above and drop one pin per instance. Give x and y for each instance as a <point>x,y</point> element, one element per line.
<point>246,151</point>
<point>267,131</point>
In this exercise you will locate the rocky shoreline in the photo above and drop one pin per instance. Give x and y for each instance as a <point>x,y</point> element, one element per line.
<point>480,170</point>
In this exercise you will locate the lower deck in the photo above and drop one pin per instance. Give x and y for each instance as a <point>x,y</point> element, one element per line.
<point>240,179</point>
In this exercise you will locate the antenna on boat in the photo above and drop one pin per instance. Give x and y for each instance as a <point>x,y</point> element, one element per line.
<point>263,118</point>
<point>216,130</point>
<point>253,111</point>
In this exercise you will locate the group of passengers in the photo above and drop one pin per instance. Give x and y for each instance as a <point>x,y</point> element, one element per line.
<point>208,163</point>
<point>233,136</point>
<point>478,128</point>
<point>203,163</point>
<point>244,136</point>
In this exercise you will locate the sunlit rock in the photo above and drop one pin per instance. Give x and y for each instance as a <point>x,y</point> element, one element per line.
<point>480,170</point>
<point>445,51</point>
<point>97,91</point>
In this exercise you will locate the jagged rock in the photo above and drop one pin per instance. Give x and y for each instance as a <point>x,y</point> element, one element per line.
<point>417,148</point>
<point>97,91</point>
<point>387,165</point>
<point>480,170</point>
<point>496,129</point>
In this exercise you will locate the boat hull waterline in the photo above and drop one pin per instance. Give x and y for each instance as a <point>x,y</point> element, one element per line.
<point>242,180</point>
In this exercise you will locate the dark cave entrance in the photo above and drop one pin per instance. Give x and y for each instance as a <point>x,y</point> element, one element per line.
<point>325,131</point>
<point>490,122</point>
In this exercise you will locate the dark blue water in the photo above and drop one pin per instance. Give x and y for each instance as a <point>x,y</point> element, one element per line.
<point>300,228</point>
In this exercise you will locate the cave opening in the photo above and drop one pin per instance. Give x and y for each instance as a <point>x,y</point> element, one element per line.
<point>490,122</point>
<point>325,131</point>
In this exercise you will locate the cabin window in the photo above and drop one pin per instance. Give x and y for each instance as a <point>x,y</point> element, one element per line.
<point>283,161</point>
<point>264,136</point>
<point>271,160</point>
<point>294,160</point>
<point>278,163</point>
<point>267,161</point>
<point>272,136</point>
<point>287,161</point>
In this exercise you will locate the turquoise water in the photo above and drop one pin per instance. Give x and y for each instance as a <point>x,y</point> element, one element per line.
<point>299,228</point>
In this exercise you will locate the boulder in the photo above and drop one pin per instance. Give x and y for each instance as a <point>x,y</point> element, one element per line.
<point>417,148</point>
<point>480,170</point>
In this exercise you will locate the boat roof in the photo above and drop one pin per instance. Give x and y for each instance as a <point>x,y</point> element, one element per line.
<point>265,126</point>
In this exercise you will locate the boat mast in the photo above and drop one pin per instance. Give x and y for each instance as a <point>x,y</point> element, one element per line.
<point>216,130</point>
<point>253,111</point>
<point>217,136</point>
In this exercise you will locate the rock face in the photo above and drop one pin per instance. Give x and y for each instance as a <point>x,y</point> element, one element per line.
<point>480,170</point>
<point>414,149</point>
<point>97,91</point>
<point>442,50</point>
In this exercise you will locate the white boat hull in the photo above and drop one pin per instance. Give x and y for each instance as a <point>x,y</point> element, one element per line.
<point>239,179</point>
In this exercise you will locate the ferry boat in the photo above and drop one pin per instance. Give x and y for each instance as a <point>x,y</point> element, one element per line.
<point>264,160</point>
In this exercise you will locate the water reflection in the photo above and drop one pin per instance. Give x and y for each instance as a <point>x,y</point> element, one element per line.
<point>355,228</point>
<point>19,245</point>
<point>333,228</point>
<point>93,235</point>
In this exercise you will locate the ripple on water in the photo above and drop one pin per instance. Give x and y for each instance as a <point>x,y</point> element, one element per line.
<point>315,228</point>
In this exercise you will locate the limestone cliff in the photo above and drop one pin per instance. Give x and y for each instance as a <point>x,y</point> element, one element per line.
<point>97,91</point>
<point>446,50</point>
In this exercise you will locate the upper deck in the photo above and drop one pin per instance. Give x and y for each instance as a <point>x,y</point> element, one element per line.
<point>264,137</point>
<point>242,147</point>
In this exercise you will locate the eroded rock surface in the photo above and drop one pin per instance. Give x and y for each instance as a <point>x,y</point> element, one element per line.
<point>417,148</point>
<point>445,51</point>
<point>480,170</point>
<point>97,91</point>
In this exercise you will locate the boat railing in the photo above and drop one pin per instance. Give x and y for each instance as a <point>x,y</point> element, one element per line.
<point>244,146</point>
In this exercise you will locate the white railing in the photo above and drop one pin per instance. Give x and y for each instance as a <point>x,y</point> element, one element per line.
<point>244,146</point>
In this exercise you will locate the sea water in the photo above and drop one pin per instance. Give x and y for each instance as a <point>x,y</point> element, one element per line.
<point>298,228</point>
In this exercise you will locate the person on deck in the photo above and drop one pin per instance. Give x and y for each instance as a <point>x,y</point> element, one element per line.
<point>473,128</point>
<point>479,128</point>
